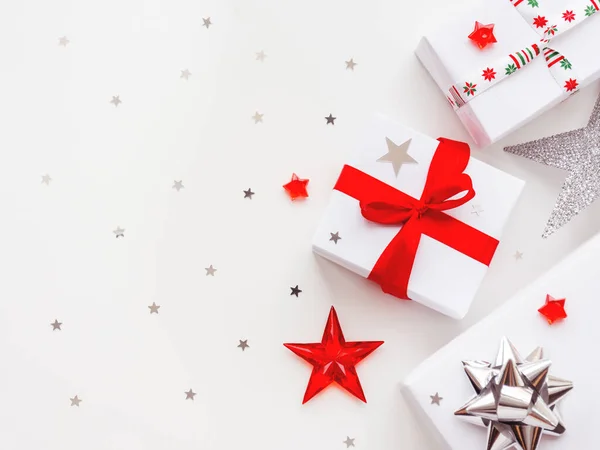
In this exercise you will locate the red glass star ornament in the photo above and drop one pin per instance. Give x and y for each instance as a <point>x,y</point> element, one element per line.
<point>296,188</point>
<point>554,309</point>
<point>334,360</point>
<point>483,35</point>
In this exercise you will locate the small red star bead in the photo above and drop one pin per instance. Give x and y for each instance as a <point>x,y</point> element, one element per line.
<point>334,360</point>
<point>483,35</point>
<point>296,188</point>
<point>554,309</point>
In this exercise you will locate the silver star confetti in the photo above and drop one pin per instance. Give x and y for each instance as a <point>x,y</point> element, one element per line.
<point>350,64</point>
<point>260,56</point>
<point>185,74</point>
<point>577,152</point>
<point>189,395</point>
<point>46,179</point>
<point>207,23</point>
<point>154,308</point>
<point>518,255</point>
<point>248,194</point>
<point>349,442</point>
<point>243,344</point>
<point>210,271</point>
<point>436,399</point>
<point>63,41</point>
<point>119,232</point>
<point>75,401</point>
<point>257,117</point>
<point>56,325</point>
<point>178,185</point>
<point>116,100</point>
<point>476,209</point>
<point>330,120</point>
<point>515,398</point>
<point>335,237</point>
<point>397,155</point>
<point>295,291</point>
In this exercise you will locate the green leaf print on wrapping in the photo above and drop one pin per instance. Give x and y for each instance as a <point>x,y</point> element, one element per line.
<point>510,69</point>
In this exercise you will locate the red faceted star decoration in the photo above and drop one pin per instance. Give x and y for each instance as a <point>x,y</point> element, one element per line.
<point>334,360</point>
<point>483,35</point>
<point>296,188</point>
<point>554,309</point>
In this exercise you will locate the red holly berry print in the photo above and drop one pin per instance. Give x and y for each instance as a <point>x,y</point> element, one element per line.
<point>540,21</point>
<point>469,88</point>
<point>489,74</point>
<point>571,85</point>
<point>568,16</point>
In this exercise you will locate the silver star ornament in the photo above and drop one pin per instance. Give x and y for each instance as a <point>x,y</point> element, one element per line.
<point>577,152</point>
<point>516,398</point>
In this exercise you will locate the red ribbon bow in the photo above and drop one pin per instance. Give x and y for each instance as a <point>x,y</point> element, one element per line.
<point>386,205</point>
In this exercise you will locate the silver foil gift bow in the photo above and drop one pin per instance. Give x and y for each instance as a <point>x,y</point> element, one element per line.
<point>548,28</point>
<point>515,398</point>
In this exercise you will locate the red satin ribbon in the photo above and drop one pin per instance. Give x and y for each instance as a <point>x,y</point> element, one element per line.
<point>386,205</point>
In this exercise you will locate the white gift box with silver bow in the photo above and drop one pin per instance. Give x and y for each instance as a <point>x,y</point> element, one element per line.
<point>569,344</point>
<point>451,57</point>
<point>442,278</point>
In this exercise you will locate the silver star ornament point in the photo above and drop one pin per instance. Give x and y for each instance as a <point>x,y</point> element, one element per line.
<point>576,151</point>
<point>397,154</point>
<point>516,398</point>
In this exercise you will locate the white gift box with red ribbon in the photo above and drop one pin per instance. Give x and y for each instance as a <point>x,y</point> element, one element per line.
<point>569,344</point>
<point>442,278</point>
<point>490,107</point>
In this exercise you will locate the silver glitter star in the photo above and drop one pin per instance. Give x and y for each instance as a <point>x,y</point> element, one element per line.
<point>75,401</point>
<point>189,395</point>
<point>154,308</point>
<point>178,185</point>
<point>257,117</point>
<point>185,74</point>
<point>330,119</point>
<point>350,64</point>
<point>518,255</point>
<point>349,442</point>
<point>46,179</point>
<point>248,194</point>
<point>397,154</point>
<point>63,41</point>
<point>578,152</point>
<point>260,56</point>
<point>210,271</point>
<point>335,237</point>
<point>436,399</point>
<point>56,325</point>
<point>477,210</point>
<point>207,23</point>
<point>116,100</point>
<point>119,232</point>
<point>243,344</point>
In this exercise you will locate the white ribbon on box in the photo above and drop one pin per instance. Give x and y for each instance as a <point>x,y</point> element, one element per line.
<point>524,94</point>
<point>566,343</point>
<point>442,278</point>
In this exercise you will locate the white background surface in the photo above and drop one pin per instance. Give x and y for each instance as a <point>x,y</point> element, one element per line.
<point>116,166</point>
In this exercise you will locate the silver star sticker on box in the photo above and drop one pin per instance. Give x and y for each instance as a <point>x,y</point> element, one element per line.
<point>243,344</point>
<point>349,442</point>
<point>577,152</point>
<point>350,64</point>
<point>185,74</point>
<point>207,23</point>
<point>56,325</point>
<point>397,154</point>
<point>116,100</point>
<point>75,401</point>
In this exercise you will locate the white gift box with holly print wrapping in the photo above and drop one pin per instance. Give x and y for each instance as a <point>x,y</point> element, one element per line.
<point>569,344</point>
<point>545,51</point>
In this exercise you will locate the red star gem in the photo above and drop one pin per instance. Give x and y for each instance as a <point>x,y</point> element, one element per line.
<point>333,359</point>
<point>540,21</point>
<point>554,309</point>
<point>571,85</point>
<point>489,74</point>
<point>568,16</point>
<point>296,188</point>
<point>483,35</point>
